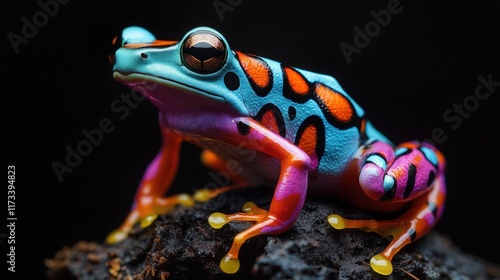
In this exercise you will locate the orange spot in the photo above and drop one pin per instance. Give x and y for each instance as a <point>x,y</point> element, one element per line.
<point>397,172</point>
<point>337,104</point>
<point>409,145</point>
<point>269,121</point>
<point>155,44</point>
<point>417,159</point>
<point>296,81</point>
<point>308,143</point>
<point>255,69</point>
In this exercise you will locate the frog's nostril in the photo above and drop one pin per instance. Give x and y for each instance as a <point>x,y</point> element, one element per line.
<point>129,35</point>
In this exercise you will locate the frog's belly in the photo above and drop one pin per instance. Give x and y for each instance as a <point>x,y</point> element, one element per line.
<point>259,168</point>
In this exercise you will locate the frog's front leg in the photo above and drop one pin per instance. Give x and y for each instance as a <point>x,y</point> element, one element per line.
<point>149,200</point>
<point>289,194</point>
<point>412,172</point>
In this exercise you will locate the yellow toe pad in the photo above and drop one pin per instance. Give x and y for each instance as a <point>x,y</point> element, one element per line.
<point>336,221</point>
<point>229,265</point>
<point>381,264</point>
<point>148,220</point>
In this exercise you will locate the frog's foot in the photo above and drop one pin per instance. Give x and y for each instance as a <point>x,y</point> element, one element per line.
<point>380,263</point>
<point>146,212</point>
<point>266,223</point>
<point>419,219</point>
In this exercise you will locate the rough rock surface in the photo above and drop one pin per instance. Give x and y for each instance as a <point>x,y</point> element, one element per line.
<point>182,245</point>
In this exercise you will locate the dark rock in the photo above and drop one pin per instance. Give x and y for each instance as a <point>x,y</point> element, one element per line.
<point>182,245</point>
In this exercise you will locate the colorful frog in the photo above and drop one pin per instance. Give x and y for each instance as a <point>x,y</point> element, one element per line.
<point>274,124</point>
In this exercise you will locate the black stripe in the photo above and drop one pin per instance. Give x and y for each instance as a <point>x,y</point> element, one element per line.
<point>292,113</point>
<point>432,176</point>
<point>413,234</point>
<point>410,184</point>
<point>243,128</point>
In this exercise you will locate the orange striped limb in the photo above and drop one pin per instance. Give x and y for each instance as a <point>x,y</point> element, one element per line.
<point>419,219</point>
<point>149,201</point>
<point>289,194</point>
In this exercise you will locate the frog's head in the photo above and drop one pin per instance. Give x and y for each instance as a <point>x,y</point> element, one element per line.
<point>199,69</point>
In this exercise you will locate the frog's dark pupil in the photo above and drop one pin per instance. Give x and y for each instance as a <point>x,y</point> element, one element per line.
<point>203,51</point>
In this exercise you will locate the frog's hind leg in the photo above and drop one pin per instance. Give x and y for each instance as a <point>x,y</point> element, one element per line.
<point>425,209</point>
<point>410,226</point>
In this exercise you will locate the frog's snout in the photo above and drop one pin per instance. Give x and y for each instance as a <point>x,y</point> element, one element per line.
<point>129,35</point>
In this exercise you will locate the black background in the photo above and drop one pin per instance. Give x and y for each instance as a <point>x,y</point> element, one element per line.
<point>424,61</point>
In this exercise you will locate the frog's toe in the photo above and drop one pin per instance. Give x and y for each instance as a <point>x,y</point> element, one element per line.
<point>229,264</point>
<point>148,220</point>
<point>252,213</point>
<point>185,200</point>
<point>124,230</point>
<point>336,221</point>
<point>116,236</point>
<point>251,208</point>
<point>217,220</point>
<point>164,205</point>
<point>204,195</point>
<point>381,264</point>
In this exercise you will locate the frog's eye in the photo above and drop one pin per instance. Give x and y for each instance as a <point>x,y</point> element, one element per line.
<point>203,52</point>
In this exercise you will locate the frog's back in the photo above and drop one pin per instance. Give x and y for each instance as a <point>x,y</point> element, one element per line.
<point>310,110</point>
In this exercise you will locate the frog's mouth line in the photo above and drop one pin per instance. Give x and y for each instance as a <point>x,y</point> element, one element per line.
<point>149,83</point>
